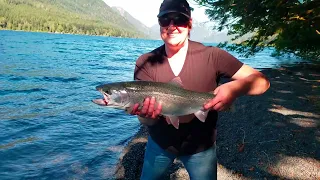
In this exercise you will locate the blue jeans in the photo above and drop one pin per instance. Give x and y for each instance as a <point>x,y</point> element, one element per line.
<point>202,165</point>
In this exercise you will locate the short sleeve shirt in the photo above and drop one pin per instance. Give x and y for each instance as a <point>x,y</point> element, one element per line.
<point>202,70</point>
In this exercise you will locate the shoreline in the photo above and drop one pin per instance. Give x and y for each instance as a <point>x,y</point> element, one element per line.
<point>76,34</point>
<point>275,135</point>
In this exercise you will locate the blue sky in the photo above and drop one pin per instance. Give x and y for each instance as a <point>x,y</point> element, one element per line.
<point>146,10</point>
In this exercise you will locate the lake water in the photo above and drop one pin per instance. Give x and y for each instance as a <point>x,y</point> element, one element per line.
<point>49,128</point>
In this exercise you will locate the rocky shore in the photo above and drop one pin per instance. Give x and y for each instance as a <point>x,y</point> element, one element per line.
<point>272,136</point>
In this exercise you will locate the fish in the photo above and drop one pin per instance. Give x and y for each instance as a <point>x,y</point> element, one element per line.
<point>175,100</point>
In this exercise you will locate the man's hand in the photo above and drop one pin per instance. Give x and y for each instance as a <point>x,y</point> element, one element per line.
<point>223,99</point>
<point>148,109</point>
<point>247,81</point>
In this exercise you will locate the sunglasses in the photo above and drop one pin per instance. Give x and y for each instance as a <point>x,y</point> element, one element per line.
<point>178,20</point>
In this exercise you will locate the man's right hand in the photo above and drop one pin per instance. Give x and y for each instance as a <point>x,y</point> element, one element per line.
<point>148,109</point>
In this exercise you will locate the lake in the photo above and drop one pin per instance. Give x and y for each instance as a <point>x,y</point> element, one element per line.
<point>49,128</point>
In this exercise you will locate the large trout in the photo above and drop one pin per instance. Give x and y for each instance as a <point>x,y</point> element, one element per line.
<point>175,100</point>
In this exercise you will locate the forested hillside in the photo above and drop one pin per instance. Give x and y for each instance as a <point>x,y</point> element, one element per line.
<point>136,23</point>
<point>65,16</point>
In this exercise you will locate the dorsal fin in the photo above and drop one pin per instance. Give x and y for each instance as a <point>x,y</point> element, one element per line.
<point>176,81</point>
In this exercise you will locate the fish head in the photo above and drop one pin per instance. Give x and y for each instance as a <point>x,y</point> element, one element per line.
<point>114,96</point>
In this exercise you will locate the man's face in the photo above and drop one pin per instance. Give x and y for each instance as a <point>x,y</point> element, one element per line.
<point>174,28</point>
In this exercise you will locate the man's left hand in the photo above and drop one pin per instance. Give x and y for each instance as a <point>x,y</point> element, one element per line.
<point>224,97</point>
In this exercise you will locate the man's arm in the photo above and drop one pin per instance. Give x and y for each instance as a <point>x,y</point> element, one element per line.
<point>246,81</point>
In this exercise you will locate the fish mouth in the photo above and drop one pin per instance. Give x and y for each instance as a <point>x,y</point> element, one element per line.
<point>113,98</point>
<point>106,97</point>
<point>103,102</point>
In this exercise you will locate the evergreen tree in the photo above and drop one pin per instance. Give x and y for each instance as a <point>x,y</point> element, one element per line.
<point>64,16</point>
<point>288,26</point>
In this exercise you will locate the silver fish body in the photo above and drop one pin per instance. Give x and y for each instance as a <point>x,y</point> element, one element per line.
<point>175,100</point>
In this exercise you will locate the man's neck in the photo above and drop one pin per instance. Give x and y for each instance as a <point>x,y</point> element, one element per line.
<point>172,50</point>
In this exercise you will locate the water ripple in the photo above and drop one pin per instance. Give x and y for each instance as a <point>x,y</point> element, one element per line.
<point>27,91</point>
<point>60,79</point>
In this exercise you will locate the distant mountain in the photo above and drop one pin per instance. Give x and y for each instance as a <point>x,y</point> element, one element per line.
<point>203,32</point>
<point>137,24</point>
<point>156,30</point>
<point>200,32</point>
<point>65,16</point>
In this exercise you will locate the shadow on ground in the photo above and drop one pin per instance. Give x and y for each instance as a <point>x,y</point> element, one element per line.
<point>275,135</point>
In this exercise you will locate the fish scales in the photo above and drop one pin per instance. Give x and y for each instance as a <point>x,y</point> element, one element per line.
<point>175,100</point>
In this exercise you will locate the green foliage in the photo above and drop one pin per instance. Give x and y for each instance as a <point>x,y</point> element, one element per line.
<point>65,16</point>
<point>288,26</point>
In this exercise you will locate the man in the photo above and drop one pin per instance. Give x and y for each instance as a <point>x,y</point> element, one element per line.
<point>198,68</point>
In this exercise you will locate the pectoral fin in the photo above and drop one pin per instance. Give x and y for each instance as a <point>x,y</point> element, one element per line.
<point>201,115</point>
<point>174,121</point>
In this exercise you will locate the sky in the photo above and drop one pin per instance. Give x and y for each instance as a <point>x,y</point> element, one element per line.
<point>146,11</point>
